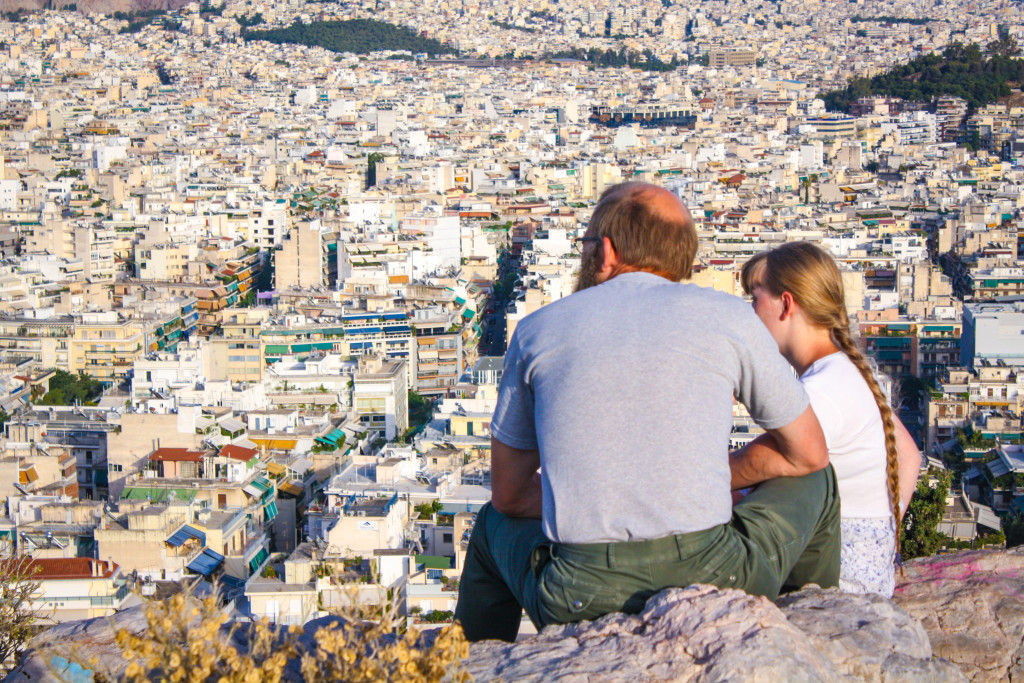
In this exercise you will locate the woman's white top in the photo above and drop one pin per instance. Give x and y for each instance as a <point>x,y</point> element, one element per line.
<point>854,433</point>
<point>855,436</point>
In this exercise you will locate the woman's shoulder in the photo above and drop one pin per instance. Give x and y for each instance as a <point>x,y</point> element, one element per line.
<point>835,367</point>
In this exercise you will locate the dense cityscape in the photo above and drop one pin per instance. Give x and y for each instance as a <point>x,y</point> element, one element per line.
<point>255,295</point>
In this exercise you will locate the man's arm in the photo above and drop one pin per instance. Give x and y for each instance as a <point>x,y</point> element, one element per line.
<point>909,464</point>
<point>515,481</point>
<point>792,450</point>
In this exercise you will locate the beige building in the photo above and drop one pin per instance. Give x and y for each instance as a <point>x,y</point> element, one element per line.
<point>301,261</point>
<point>105,346</point>
<point>128,450</point>
<point>164,261</point>
<point>136,538</point>
<point>77,588</point>
<point>238,350</point>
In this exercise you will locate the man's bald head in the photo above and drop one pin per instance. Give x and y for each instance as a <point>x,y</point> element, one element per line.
<point>649,228</point>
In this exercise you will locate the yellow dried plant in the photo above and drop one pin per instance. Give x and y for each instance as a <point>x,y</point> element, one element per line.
<point>185,641</point>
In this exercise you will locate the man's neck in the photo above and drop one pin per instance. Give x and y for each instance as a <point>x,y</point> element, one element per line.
<point>626,268</point>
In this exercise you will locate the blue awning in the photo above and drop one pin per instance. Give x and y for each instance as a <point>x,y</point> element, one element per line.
<point>363,330</point>
<point>361,345</point>
<point>179,537</point>
<point>232,582</point>
<point>206,562</point>
<point>397,329</point>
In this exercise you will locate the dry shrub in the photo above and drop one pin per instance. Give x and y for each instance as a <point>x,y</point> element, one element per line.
<point>368,646</point>
<point>185,641</point>
<point>20,619</point>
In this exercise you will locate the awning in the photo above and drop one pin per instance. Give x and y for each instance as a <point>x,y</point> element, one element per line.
<point>232,425</point>
<point>290,488</point>
<point>206,562</point>
<point>275,444</point>
<point>998,468</point>
<point>179,537</point>
<point>987,518</point>
<point>257,560</point>
<point>332,437</point>
<point>275,468</point>
<point>232,582</point>
<point>270,511</point>
<point>258,487</point>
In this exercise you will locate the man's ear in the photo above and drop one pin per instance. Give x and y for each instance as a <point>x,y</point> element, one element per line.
<point>788,305</point>
<point>611,259</point>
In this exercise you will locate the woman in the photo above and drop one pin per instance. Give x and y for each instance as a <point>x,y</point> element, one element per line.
<point>798,294</point>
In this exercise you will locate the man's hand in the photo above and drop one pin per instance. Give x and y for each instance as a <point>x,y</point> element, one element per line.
<point>792,450</point>
<point>515,481</point>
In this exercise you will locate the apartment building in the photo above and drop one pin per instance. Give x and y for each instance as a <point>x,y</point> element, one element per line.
<point>379,395</point>
<point>77,588</point>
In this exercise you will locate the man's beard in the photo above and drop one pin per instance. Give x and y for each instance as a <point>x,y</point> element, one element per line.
<point>590,266</point>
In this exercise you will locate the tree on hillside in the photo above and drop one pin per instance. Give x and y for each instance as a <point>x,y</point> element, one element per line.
<point>920,535</point>
<point>961,70</point>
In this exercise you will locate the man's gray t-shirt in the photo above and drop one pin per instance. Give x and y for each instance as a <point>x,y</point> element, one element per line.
<point>626,390</point>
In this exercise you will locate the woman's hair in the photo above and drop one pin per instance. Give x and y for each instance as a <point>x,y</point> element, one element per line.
<point>811,276</point>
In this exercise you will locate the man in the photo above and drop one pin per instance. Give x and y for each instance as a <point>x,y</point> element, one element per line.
<point>610,472</point>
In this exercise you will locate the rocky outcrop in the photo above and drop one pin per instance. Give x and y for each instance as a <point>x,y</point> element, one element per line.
<point>704,634</point>
<point>972,606</point>
<point>954,618</point>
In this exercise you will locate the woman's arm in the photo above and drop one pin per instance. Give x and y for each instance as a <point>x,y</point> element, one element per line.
<point>909,464</point>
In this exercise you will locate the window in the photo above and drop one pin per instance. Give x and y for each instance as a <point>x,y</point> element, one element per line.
<point>446,538</point>
<point>116,468</point>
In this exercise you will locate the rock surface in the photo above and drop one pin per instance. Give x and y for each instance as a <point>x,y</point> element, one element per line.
<point>704,634</point>
<point>954,618</point>
<point>972,606</point>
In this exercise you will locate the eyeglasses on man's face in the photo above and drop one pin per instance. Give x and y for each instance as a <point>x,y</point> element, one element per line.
<point>579,242</point>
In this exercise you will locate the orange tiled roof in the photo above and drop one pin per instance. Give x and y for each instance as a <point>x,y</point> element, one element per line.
<point>239,452</point>
<point>176,455</point>
<point>69,568</point>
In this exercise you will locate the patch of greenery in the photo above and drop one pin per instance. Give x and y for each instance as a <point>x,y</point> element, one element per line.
<point>921,537</point>
<point>427,510</point>
<point>65,389</point>
<point>1013,528</point>
<point>645,61</point>
<point>359,36</point>
<point>246,22</point>
<point>961,70</point>
<point>513,27</point>
<point>886,19</point>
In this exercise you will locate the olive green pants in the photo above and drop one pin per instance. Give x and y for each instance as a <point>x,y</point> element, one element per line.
<point>783,535</point>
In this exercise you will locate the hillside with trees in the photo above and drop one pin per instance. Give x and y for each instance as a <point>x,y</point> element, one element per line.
<point>356,35</point>
<point>961,70</point>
